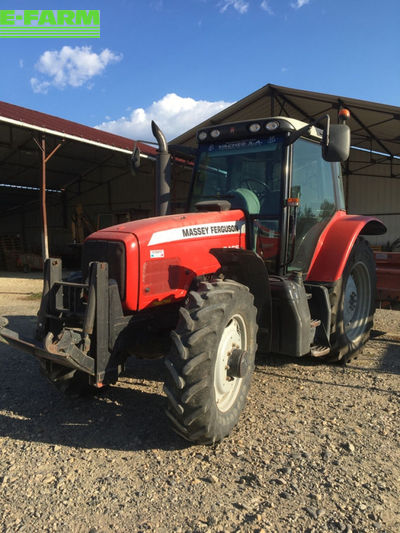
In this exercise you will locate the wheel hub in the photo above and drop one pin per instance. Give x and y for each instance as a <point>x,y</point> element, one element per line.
<point>238,364</point>
<point>230,363</point>
<point>357,301</point>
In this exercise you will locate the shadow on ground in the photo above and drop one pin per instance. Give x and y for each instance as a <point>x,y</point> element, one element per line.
<point>128,416</point>
<point>389,344</point>
<point>383,350</point>
<point>381,355</point>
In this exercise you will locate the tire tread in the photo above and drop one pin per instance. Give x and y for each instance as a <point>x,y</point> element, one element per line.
<point>190,408</point>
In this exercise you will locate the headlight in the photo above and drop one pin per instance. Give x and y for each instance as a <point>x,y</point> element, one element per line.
<point>202,136</point>
<point>255,127</point>
<point>271,126</point>
<point>215,134</point>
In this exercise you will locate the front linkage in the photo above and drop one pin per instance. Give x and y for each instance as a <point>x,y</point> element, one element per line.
<point>78,326</point>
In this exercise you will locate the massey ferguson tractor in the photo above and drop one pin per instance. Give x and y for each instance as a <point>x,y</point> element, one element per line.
<point>265,257</point>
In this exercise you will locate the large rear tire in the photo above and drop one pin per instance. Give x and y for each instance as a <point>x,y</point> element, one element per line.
<point>353,304</point>
<point>211,361</point>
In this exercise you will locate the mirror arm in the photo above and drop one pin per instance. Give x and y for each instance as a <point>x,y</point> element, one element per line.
<point>325,139</point>
<point>293,136</point>
<point>185,151</point>
<point>296,134</point>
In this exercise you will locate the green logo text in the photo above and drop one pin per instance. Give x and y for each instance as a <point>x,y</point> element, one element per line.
<point>36,23</point>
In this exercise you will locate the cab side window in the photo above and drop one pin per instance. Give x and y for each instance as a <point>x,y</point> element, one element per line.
<point>312,183</point>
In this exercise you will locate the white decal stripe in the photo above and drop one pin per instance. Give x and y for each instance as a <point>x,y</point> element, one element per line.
<point>213,229</point>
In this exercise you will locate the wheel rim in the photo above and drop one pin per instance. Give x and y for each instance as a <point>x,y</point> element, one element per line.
<point>227,388</point>
<point>357,302</point>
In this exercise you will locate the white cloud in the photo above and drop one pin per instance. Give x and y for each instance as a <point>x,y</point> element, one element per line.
<point>174,114</point>
<point>240,5</point>
<point>21,63</point>
<point>299,3</point>
<point>40,86</point>
<point>266,7</point>
<point>70,66</point>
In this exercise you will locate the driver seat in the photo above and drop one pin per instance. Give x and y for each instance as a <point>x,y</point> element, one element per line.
<point>246,200</point>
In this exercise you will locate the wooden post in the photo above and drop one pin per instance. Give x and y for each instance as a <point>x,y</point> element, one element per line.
<point>45,237</point>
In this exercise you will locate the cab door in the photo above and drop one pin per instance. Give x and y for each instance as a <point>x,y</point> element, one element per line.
<point>317,185</point>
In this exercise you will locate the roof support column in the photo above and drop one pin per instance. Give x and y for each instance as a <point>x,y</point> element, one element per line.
<point>45,236</point>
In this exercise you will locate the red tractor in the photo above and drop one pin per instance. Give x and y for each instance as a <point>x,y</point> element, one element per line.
<point>265,256</point>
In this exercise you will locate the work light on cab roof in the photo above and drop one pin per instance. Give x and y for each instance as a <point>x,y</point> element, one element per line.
<point>255,127</point>
<point>273,125</point>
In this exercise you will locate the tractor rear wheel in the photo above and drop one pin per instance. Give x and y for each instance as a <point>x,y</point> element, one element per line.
<point>353,304</point>
<point>211,361</point>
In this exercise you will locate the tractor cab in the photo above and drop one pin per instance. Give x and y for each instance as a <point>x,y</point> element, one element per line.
<point>275,171</point>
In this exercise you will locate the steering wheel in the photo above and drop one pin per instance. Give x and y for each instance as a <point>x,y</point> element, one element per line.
<point>256,191</point>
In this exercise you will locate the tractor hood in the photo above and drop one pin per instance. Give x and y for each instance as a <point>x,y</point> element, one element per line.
<point>164,254</point>
<point>174,228</point>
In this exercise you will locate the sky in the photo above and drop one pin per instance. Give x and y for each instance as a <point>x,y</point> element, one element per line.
<point>181,61</point>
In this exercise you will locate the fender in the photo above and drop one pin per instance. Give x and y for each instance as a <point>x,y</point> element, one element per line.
<point>248,268</point>
<point>336,242</point>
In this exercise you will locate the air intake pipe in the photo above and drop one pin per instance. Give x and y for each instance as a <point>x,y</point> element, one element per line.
<point>163,173</point>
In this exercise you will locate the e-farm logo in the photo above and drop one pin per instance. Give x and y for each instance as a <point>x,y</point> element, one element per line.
<point>44,23</point>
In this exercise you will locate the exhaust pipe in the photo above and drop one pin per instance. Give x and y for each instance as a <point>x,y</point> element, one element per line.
<point>163,173</point>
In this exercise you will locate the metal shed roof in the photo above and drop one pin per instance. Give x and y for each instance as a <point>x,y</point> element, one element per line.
<point>37,121</point>
<point>84,150</point>
<point>375,127</point>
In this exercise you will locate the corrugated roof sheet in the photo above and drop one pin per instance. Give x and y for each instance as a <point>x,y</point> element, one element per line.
<point>62,126</point>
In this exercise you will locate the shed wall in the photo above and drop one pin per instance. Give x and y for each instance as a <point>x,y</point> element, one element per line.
<point>376,196</point>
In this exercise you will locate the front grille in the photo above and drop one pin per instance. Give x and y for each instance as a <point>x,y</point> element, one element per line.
<point>72,297</point>
<point>111,252</point>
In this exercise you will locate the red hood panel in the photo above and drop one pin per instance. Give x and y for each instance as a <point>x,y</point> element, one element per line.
<point>150,227</point>
<point>172,251</point>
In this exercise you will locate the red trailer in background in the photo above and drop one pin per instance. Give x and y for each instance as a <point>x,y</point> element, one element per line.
<point>387,277</point>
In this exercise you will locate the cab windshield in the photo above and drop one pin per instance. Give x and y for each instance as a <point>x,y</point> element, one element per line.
<point>245,171</point>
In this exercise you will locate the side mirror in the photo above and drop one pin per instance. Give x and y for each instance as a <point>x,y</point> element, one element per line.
<point>336,146</point>
<point>135,160</point>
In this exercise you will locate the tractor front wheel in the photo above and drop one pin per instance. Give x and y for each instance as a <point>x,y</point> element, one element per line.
<point>211,361</point>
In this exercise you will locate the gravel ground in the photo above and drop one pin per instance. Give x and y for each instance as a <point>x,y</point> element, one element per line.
<point>317,448</point>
